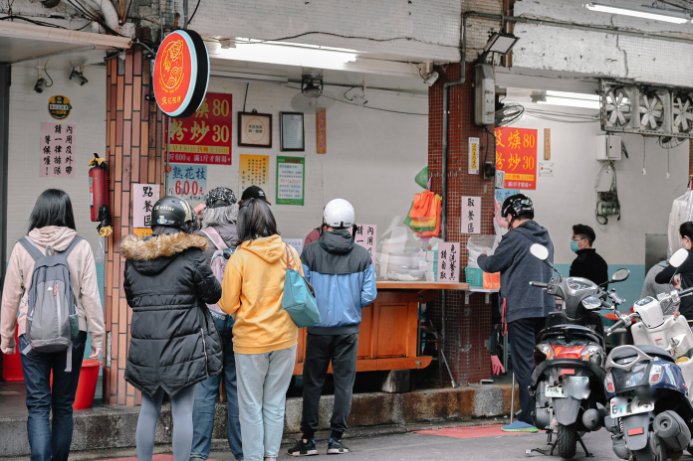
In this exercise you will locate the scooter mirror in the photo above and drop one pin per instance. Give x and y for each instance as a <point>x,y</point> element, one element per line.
<point>539,251</point>
<point>591,303</point>
<point>677,258</point>
<point>620,275</point>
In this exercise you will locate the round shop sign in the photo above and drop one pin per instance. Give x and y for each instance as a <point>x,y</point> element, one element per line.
<point>181,73</point>
<point>59,107</point>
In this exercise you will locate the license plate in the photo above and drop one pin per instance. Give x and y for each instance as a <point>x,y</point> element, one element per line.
<point>555,392</point>
<point>621,407</point>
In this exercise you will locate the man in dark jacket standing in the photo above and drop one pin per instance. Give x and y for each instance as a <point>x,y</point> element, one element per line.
<point>343,276</point>
<point>588,263</point>
<point>523,308</point>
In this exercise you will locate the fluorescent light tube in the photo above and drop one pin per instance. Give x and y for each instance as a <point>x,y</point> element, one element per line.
<point>571,95</point>
<point>289,54</point>
<point>570,102</point>
<point>643,12</point>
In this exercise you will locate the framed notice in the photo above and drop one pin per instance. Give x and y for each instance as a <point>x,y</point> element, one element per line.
<point>290,180</point>
<point>254,129</point>
<point>291,131</point>
<point>205,136</point>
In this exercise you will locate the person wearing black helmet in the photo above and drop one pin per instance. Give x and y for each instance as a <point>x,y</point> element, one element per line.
<point>173,341</point>
<point>524,308</point>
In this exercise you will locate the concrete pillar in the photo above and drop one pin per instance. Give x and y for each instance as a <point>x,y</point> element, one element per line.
<point>467,326</point>
<point>135,149</point>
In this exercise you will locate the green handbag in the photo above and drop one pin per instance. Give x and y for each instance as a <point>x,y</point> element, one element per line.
<point>299,297</point>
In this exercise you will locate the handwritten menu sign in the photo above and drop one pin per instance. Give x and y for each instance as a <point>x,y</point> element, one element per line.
<point>205,136</point>
<point>471,215</point>
<point>57,147</point>
<point>366,236</point>
<point>144,196</point>
<point>254,170</point>
<point>449,262</point>
<point>187,181</point>
<point>290,180</point>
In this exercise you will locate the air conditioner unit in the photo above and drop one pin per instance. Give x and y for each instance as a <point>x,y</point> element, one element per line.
<point>608,147</point>
<point>484,95</point>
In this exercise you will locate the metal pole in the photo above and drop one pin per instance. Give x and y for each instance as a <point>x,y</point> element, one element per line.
<point>512,400</point>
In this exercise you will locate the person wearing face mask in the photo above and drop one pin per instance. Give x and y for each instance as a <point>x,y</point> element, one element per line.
<point>685,271</point>
<point>588,263</point>
<point>523,308</point>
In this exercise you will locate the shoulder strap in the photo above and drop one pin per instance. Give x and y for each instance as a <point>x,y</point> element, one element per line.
<point>215,237</point>
<point>288,257</point>
<point>72,245</point>
<point>31,248</point>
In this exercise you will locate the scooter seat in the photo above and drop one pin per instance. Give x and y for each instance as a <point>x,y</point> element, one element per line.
<point>655,351</point>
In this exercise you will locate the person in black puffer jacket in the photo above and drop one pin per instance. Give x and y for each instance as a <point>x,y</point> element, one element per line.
<point>173,340</point>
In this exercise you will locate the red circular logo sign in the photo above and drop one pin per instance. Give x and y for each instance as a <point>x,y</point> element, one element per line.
<point>181,73</point>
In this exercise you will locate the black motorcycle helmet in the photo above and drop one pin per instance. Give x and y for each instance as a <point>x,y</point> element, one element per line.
<point>172,211</point>
<point>518,206</point>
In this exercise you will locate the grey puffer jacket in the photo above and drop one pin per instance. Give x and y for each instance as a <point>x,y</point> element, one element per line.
<point>173,340</point>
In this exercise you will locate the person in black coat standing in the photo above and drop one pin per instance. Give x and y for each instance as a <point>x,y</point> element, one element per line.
<point>173,344</point>
<point>588,263</point>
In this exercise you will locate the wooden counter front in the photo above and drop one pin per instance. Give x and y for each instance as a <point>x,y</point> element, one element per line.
<point>389,331</point>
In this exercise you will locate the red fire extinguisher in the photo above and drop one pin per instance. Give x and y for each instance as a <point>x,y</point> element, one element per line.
<point>98,195</point>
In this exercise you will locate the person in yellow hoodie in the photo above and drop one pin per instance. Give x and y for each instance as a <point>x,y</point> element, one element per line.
<point>264,336</point>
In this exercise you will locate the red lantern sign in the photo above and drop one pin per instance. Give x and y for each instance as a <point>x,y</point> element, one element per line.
<point>181,73</point>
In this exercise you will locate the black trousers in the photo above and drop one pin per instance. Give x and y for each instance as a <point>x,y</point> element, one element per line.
<point>320,350</point>
<point>523,334</point>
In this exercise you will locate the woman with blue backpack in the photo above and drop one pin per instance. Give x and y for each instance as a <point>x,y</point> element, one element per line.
<point>219,227</point>
<point>52,329</point>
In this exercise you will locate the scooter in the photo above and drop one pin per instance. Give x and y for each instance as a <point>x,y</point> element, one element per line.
<point>650,411</point>
<point>567,382</point>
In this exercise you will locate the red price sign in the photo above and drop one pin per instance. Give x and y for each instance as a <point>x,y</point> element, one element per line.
<point>204,137</point>
<point>516,156</point>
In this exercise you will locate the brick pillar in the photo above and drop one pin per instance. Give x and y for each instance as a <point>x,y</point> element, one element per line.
<point>135,149</point>
<point>467,326</point>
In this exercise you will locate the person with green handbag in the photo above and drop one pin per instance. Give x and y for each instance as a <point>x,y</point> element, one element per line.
<point>343,277</point>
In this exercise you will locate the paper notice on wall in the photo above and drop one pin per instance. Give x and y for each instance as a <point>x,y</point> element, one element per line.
<point>187,181</point>
<point>296,243</point>
<point>57,147</point>
<point>448,262</point>
<point>367,237</point>
<point>254,170</point>
<point>144,196</point>
<point>321,131</point>
<point>473,154</point>
<point>290,180</point>
<point>546,169</point>
<point>471,215</point>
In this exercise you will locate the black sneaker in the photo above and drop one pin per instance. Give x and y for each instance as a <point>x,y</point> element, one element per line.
<point>304,448</point>
<point>336,447</point>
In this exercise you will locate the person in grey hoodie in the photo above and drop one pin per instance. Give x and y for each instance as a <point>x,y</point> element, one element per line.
<point>523,308</point>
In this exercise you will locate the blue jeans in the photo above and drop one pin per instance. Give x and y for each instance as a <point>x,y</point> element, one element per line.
<point>50,443</point>
<point>206,393</point>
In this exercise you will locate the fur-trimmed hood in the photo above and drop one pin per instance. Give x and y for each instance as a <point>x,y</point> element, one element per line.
<point>151,255</point>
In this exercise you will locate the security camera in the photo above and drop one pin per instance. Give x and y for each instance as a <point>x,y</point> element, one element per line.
<point>39,85</point>
<point>431,78</point>
<point>79,76</point>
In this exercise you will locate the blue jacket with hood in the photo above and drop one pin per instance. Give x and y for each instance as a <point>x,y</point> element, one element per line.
<point>518,267</point>
<point>343,277</point>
